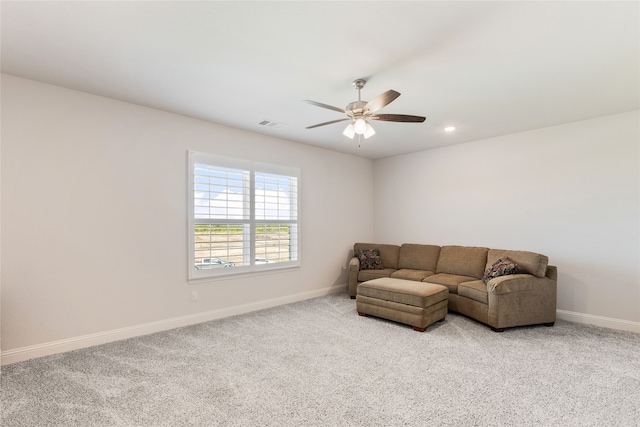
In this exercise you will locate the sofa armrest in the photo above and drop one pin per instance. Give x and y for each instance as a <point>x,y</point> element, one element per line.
<point>511,283</point>
<point>354,268</point>
<point>521,299</point>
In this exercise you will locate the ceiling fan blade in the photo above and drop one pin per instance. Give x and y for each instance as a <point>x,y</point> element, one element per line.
<point>328,123</point>
<point>399,118</point>
<point>380,101</point>
<point>330,107</point>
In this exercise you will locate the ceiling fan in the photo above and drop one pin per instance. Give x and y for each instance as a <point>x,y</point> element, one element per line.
<point>360,112</point>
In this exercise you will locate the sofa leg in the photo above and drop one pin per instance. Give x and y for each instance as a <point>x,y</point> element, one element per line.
<point>353,297</point>
<point>415,328</point>
<point>548,325</point>
<point>497,329</point>
<point>362,314</point>
<point>442,320</point>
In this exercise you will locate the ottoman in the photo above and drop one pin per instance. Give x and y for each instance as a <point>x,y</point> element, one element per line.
<point>418,304</point>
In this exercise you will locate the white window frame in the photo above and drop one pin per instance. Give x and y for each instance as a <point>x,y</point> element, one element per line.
<point>252,168</point>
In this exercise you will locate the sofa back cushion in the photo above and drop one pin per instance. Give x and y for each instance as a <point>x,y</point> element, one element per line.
<point>463,260</point>
<point>418,257</point>
<point>528,262</point>
<point>388,253</point>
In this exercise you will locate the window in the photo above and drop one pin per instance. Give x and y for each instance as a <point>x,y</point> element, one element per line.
<point>243,216</point>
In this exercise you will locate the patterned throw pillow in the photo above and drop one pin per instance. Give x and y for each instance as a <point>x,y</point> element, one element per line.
<point>369,259</point>
<point>502,267</point>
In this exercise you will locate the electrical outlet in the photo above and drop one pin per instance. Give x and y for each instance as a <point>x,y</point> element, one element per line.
<point>194,296</point>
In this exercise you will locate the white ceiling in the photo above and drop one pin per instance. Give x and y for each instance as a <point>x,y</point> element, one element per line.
<point>488,68</point>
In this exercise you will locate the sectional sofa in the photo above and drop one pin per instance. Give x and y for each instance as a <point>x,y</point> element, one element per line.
<point>526,296</point>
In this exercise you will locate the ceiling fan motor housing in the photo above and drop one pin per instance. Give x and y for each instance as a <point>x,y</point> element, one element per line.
<point>355,108</point>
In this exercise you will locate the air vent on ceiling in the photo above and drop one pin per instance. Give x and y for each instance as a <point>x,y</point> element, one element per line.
<point>271,124</point>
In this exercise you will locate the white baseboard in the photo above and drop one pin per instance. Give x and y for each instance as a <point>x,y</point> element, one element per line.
<point>605,322</point>
<point>61,346</point>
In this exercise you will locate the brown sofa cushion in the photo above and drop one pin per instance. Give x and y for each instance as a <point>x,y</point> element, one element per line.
<point>364,275</point>
<point>417,294</point>
<point>463,261</point>
<point>388,253</point>
<point>476,290</point>
<point>407,274</point>
<point>418,257</point>
<point>528,262</point>
<point>451,281</point>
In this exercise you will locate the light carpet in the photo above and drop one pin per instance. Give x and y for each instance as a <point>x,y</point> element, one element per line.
<point>317,363</point>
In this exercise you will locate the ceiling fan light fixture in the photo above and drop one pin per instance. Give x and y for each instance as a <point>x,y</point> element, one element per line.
<point>368,131</point>
<point>360,126</point>
<point>350,131</point>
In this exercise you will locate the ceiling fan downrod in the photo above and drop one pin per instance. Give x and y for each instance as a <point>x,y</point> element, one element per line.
<point>355,108</point>
<point>359,84</point>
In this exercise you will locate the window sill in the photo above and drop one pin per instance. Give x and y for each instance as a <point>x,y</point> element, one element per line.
<point>240,274</point>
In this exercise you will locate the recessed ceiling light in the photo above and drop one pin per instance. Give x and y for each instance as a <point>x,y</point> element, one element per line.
<point>449,128</point>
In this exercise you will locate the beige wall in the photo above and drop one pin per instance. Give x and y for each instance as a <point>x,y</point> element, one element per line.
<point>94,205</point>
<point>570,192</point>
